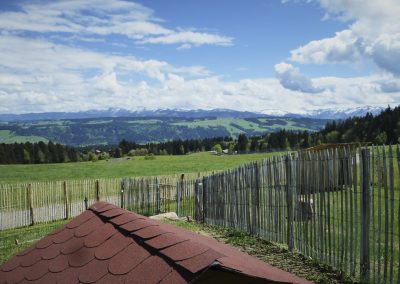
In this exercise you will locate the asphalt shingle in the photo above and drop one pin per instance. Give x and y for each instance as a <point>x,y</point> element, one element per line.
<point>106,244</point>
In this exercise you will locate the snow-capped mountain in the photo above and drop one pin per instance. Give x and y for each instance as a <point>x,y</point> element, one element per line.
<point>119,112</point>
<point>331,113</point>
<point>338,113</point>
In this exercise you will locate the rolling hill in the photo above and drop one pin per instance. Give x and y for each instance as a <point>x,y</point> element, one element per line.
<point>111,130</point>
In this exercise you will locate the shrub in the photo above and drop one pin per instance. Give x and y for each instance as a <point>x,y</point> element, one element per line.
<point>150,157</point>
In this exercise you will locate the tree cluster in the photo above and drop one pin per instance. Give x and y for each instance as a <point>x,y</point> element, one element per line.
<point>37,153</point>
<point>175,147</point>
<point>380,129</point>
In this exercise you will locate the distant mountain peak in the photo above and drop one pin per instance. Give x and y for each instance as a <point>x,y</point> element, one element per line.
<point>341,113</point>
<point>328,113</point>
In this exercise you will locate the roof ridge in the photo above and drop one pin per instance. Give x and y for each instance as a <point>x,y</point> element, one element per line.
<point>175,250</point>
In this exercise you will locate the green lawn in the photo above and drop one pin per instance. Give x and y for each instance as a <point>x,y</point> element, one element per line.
<point>114,168</point>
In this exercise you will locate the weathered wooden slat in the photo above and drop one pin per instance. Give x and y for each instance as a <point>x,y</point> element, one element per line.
<point>373,212</point>
<point>30,204</point>
<point>66,203</point>
<point>380,174</point>
<point>345,183</point>
<point>365,213</point>
<point>289,203</point>
<point>386,198</point>
<point>398,215</point>
<point>356,213</point>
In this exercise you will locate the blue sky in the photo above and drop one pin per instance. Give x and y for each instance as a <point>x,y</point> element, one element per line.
<point>269,56</point>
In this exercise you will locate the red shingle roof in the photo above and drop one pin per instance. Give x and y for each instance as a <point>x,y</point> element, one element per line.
<point>106,244</point>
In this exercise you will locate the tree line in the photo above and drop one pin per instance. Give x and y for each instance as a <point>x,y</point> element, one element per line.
<point>380,129</point>
<point>38,153</point>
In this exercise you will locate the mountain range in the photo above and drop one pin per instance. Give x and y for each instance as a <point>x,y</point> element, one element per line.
<point>108,127</point>
<point>328,113</point>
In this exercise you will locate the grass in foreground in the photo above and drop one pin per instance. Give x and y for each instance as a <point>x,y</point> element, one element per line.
<point>115,168</point>
<point>271,253</point>
<point>13,241</point>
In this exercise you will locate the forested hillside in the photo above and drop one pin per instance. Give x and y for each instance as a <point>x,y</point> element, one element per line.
<point>110,131</point>
<point>380,129</point>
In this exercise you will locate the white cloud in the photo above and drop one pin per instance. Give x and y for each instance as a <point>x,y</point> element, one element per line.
<point>343,48</point>
<point>185,46</point>
<point>189,37</point>
<point>373,33</point>
<point>38,57</point>
<point>125,18</point>
<point>390,86</point>
<point>106,82</point>
<point>38,75</point>
<point>291,78</point>
<point>386,53</point>
<point>33,70</point>
<point>110,89</point>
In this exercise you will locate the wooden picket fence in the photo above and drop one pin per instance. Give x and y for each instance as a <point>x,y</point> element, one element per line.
<point>337,206</point>
<point>28,204</point>
<point>151,196</point>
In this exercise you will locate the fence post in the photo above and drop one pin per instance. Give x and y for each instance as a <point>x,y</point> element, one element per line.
<point>158,196</point>
<point>204,200</point>
<point>97,190</point>
<point>198,200</point>
<point>30,204</point>
<point>365,213</point>
<point>289,202</point>
<point>255,191</point>
<point>66,200</point>
<point>178,198</point>
<point>122,193</point>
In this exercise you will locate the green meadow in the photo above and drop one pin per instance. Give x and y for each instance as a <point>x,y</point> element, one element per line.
<point>136,166</point>
<point>7,136</point>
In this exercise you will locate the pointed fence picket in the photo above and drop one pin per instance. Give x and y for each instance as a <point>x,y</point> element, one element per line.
<point>337,206</point>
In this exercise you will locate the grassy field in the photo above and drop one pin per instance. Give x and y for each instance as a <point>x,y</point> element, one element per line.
<point>15,240</point>
<point>235,126</point>
<point>137,166</point>
<point>6,136</point>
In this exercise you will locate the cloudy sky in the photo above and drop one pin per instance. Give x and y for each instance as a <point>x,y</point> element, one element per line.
<point>256,55</point>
